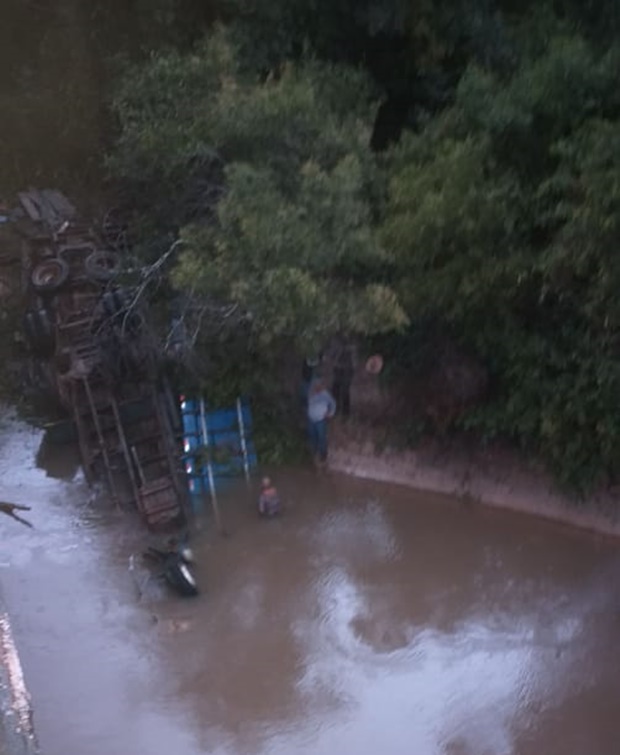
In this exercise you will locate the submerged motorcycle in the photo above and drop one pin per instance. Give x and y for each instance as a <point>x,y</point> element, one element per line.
<point>175,566</point>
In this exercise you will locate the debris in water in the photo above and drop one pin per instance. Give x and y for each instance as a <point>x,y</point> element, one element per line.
<point>10,508</point>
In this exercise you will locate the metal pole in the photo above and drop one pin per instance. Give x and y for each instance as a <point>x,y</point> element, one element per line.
<point>205,436</point>
<point>244,448</point>
<point>87,460</point>
<point>101,439</point>
<point>126,453</point>
<point>167,433</point>
<point>138,465</point>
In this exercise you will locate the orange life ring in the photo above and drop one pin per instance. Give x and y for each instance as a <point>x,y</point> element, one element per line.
<point>374,364</point>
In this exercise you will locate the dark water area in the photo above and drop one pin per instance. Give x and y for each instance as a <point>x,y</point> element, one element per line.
<point>368,618</point>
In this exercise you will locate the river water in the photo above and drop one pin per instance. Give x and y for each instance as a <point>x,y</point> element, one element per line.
<point>368,619</point>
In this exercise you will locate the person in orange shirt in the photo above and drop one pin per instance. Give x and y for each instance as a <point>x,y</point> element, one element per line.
<point>269,500</point>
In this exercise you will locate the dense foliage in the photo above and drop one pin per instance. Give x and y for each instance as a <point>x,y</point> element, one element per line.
<point>292,241</point>
<point>493,214</point>
<point>503,213</point>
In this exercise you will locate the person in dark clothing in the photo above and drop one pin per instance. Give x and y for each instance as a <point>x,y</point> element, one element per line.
<point>308,373</point>
<point>344,369</point>
<point>307,369</point>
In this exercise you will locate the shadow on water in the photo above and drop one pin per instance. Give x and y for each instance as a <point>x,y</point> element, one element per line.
<point>366,618</point>
<point>60,462</point>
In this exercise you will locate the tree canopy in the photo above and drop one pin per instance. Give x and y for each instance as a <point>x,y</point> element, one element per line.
<point>291,240</point>
<point>502,213</point>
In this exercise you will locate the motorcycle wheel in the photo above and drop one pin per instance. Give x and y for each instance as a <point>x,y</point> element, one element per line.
<point>181,579</point>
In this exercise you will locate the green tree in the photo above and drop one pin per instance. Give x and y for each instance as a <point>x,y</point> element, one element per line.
<point>502,214</point>
<point>291,242</point>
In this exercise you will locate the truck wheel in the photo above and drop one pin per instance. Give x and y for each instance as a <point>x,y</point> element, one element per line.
<point>50,275</point>
<point>102,266</point>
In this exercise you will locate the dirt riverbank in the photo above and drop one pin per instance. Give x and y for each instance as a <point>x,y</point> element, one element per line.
<point>490,476</point>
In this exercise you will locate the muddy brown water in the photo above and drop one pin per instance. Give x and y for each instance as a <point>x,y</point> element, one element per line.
<point>368,619</point>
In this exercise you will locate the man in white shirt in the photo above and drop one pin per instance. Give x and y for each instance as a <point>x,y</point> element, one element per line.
<point>321,407</point>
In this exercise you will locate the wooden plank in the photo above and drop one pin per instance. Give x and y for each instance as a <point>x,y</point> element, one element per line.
<point>161,523</point>
<point>154,511</point>
<point>162,512</point>
<point>154,486</point>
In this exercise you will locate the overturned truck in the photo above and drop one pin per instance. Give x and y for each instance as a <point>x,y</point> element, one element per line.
<point>94,336</point>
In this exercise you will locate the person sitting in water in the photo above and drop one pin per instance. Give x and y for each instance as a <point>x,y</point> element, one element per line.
<point>269,500</point>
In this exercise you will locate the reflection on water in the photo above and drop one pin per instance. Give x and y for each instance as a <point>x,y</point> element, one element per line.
<point>367,619</point>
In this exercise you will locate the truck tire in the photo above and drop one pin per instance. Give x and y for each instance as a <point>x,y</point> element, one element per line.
<point>50,275</point>
<point>102,266</point>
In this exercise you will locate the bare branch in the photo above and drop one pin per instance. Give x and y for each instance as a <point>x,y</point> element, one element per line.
<point>148,274</point>
<point>10,508</point>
